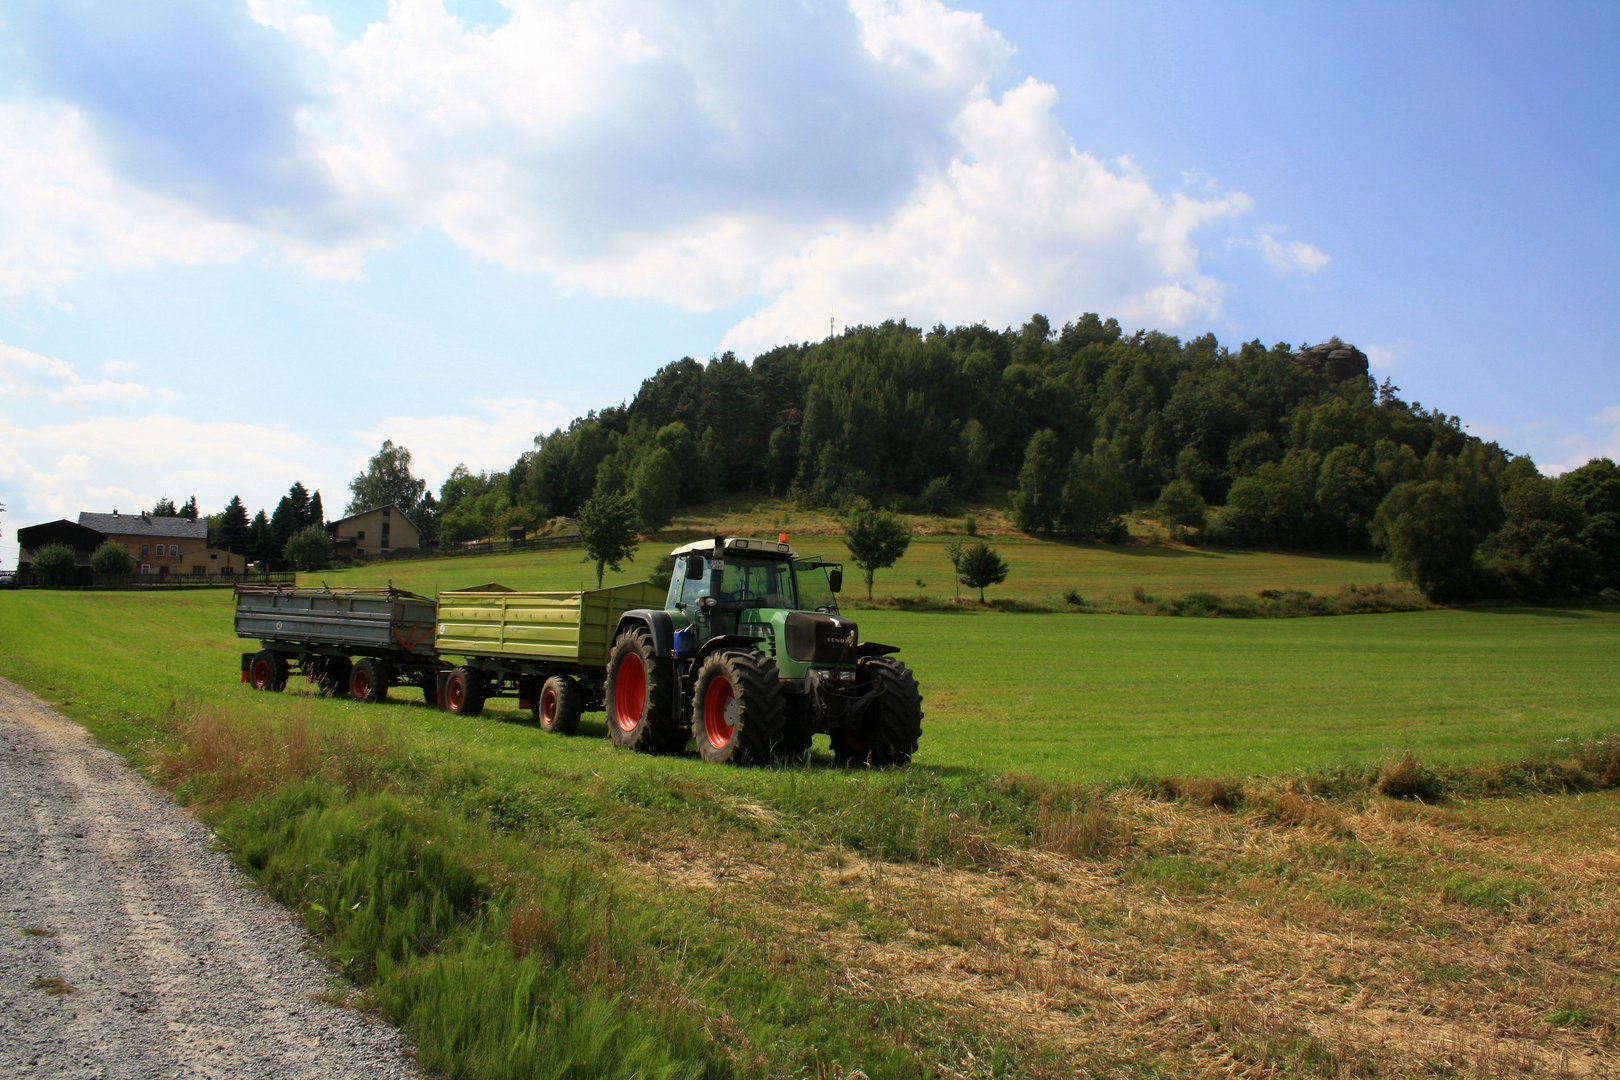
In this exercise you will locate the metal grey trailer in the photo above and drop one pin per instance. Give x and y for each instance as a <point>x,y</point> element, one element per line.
<point>357,642</point>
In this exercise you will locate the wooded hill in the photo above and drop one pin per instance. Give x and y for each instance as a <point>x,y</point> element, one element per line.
<point>1295,448</point>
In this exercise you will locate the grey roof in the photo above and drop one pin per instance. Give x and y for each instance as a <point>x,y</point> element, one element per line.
<point>139,525</point>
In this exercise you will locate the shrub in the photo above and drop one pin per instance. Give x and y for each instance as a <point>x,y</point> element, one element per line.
<point>55,562</point>
<point>937,498</point>
<point>112,558</point>
<point>309,548</point>
<point>1071,595</point>
<point>970,525</point>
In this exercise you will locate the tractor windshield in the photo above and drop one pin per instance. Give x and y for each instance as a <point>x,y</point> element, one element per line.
<point>765,583</point>
<point>815,591</point>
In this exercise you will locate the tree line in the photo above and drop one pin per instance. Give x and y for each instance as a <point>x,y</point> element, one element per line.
<point>1253,445</point>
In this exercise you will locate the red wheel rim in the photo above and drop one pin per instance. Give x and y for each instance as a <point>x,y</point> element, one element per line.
<point>548,705</point>
<point>630,693</point>
<point>719,712</point>
<point>261,674</point>
<point>455,693</point>
<point>361,684</point>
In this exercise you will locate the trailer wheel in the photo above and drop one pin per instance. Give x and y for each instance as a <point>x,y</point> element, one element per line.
<point>464,691</point>
<point>369,681</point>
<point>738,711</point>
<point>334,675</point>
<point>639,696</point>
<point>559,706</point>
<point>893,721</point>
<point>430,689</point>
<point>268,671</point>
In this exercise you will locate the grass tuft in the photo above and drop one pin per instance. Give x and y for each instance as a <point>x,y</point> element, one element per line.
<point>1405,778</point>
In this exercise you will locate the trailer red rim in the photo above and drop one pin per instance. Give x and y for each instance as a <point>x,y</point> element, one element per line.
<point>630,693</point>
<point>455,693</point>
<point>719,712</point>
<point>360,683</point>
<point>548,705</point>
<point>261,673</point>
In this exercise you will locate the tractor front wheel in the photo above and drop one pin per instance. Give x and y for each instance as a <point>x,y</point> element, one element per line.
<point>559,706</point>
<point>464,691</point>
<point>268,671</point>
<point>640,691</point>
<point>369,681</point>
<point>889,732</point>
<point>738,709</point>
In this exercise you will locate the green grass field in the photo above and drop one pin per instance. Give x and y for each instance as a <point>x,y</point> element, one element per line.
<point>1041,570</point>
<point>523,904</point>
<point>1088,697</point>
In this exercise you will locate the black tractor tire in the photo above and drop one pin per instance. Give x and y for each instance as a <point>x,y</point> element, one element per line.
<point>738,709</point>
<point>464,691</point>
<point>369,680</point>
<point>268,671</point>
<point>430,689</point>
<point>892,726</point>
<point>559,706</point>
<point>640,693</point>
<point>333,677</point>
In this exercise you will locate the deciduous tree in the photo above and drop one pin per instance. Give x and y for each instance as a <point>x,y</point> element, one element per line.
<point>387,479</point>
<point>876,539</point>
<point>607,525</point>
<point>980,567</point>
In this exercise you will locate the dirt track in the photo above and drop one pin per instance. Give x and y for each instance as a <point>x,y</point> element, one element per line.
<point>178,967</point>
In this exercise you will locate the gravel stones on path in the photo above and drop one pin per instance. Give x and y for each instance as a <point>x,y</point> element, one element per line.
<point>131,947</point>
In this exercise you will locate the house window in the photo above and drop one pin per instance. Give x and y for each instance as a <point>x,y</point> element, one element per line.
<point>174,550</point>
<point>213,554</point>
<point>146,568</point>
<point>198,570</point>
<point>144,549</point>
<point>361,535</point>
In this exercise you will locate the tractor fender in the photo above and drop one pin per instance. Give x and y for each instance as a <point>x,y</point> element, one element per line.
<point>658,622</point>
<point>723,641</point>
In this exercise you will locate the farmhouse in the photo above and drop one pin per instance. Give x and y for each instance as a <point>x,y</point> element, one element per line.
<point>159,545</point>
<point>376,532</point>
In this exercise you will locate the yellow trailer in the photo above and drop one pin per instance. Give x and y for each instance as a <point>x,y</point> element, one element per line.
<point>548,649</point>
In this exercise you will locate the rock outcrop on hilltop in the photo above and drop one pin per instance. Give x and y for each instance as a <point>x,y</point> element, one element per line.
<point>1335,359</point>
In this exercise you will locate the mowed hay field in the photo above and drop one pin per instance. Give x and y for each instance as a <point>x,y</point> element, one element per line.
<point>1041,570</point>
<point>1123,851</point>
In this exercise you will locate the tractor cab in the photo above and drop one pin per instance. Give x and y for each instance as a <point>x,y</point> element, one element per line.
<point>742,586</point>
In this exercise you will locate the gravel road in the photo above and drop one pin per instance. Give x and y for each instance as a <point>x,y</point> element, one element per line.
<point>178,966</point>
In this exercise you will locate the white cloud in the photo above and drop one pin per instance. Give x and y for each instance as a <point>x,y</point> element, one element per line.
<point>1577,448</point>
<point>439,443</point>
<point>24,373</point>
<point>852,161</point>
<point>1292,255</point>
<point>1018,222</point>
<point>64,209</point>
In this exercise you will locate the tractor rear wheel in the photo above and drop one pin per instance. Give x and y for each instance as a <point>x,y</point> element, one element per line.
<point>268,671</point>
<point>892,726</point>
<point>559,706</point>
<point>464,691</point>
<point>640,691</point>
<point>369,680</point>
<point>738,709</point>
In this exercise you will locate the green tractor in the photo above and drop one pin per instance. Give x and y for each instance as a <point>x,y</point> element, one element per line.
<point>750,658</point>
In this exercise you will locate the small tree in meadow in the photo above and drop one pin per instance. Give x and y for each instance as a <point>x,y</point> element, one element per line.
<point>112,558</point>
<point>55,562</point>
<point>607,525</point>
<point>309,548</point>
<point>876,539</point>
<point>980,567</point>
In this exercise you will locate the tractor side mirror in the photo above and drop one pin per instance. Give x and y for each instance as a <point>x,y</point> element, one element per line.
<point>835,578</point>
<point>695,568</point>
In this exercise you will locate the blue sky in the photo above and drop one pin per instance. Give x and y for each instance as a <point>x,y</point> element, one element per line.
<point>241,243</point>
